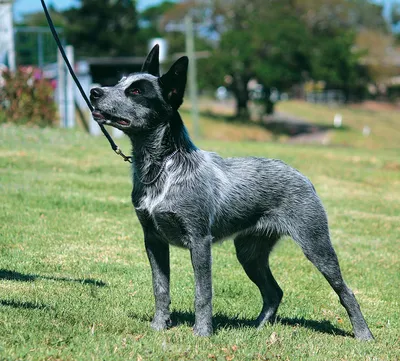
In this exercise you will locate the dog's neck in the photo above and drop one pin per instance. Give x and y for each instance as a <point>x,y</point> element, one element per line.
<point>152,147</point>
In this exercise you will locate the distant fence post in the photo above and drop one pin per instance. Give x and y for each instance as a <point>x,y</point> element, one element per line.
<point>65,90</point>
<point>61,90</point>
<point>70,102</point>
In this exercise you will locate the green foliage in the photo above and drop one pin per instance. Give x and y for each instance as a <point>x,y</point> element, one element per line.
<point>39,18</point>
<point>27,43</point>
<point>27,98</point>
<point>335,62</point>
<point>153,22</point>
<point>151,16</point>
<point>394,92</point>
<point>395,15</point>
<point>282,43</point>
<point>104,28</point>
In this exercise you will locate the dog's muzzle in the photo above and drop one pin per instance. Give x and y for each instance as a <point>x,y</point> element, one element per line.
<point>98,117</point>
<point>103,117</point>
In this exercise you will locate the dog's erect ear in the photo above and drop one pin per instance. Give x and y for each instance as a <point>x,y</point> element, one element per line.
<point>173,82</point>
<point>152,64</point>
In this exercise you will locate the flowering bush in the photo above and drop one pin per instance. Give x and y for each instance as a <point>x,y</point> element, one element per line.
<point>27,98</point>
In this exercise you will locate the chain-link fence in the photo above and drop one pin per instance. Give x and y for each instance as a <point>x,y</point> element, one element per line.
<point>35,46</point>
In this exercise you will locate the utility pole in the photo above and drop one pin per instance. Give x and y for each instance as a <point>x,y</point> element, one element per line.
<point>192,74</point>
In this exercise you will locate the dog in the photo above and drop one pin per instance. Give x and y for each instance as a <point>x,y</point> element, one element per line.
<point>190,198</point>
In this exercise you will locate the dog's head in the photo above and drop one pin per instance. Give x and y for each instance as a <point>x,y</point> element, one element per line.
<point>142,100</point>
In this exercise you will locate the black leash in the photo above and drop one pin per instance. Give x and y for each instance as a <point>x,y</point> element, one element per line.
<point>114,147</point>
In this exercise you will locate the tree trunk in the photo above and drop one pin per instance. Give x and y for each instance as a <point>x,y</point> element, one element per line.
<point>242,97</point>
<point>269,106</point>
<point>242,111</point>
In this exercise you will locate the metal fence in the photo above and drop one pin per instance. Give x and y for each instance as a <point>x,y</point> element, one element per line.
<point>35,46</point>
<point>326,97</point>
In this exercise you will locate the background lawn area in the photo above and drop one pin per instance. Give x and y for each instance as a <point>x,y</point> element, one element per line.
<point>75,283</point>
<point>382,119</point>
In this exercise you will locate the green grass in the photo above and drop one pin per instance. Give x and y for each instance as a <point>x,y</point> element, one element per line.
<point>382,118</point>
<point>383,121</point>
<point>75,283</point>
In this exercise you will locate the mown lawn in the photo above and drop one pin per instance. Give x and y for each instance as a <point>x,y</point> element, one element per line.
<point>75,283</point>
<point>382,120</point>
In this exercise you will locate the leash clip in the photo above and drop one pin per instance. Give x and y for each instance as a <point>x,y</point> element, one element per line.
<point>126,158</point>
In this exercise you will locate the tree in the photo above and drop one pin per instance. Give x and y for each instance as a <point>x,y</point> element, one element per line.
<point>395,20</point>
<point>263,40</point>
<point>151,21</point>
<point>104,28</point>
<point>39,18</point>
<point>337,64</point>
<point>166,20</point>
<point>378,54</point>
<point>286,42</point>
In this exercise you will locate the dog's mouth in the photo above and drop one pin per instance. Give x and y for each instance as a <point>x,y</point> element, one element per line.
<point>106,118</point>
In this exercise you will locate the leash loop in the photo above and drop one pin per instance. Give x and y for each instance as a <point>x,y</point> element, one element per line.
<point>114,147</point>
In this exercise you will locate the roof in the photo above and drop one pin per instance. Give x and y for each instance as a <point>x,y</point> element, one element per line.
<point>112,61</point>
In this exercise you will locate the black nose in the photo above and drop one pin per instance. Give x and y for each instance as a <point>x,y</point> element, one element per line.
<point>96,93</point>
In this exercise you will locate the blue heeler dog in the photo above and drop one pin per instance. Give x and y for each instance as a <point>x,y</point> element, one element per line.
<point>187,197</point>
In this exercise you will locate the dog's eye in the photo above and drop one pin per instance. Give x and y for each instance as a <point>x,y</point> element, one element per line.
<point>135,91</point>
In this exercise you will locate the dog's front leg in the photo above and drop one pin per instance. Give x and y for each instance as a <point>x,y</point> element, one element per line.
<point>200,252</point>
<point>158,254</point>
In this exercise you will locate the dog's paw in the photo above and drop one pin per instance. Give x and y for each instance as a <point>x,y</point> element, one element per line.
<point>263,319</point>
<point>161,323</point>
<point>203,331</point>
<point>364,335</point>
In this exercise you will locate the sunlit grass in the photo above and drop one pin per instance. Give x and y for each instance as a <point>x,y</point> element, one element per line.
<point>383,123</point>
<point>75,283</point>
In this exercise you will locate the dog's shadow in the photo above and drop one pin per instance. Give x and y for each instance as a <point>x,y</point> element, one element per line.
<point>24,305</point>
<point>17,276</point>
<point>222,321</point>
<point>21,277</point>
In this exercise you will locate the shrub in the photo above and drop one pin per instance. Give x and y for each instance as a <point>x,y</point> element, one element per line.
<point>27,98</point>
<point>393,92</point>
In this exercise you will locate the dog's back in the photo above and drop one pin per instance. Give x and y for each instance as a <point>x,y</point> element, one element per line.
<point>234,195</point>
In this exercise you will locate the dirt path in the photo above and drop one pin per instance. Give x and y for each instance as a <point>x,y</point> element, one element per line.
<point>297,130</point>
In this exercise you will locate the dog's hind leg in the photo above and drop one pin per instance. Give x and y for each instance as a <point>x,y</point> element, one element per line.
<point>253,254</point>
<point>313,238</point>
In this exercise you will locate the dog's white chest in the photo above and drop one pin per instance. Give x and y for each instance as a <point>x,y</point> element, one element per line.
<point>154,197</point>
